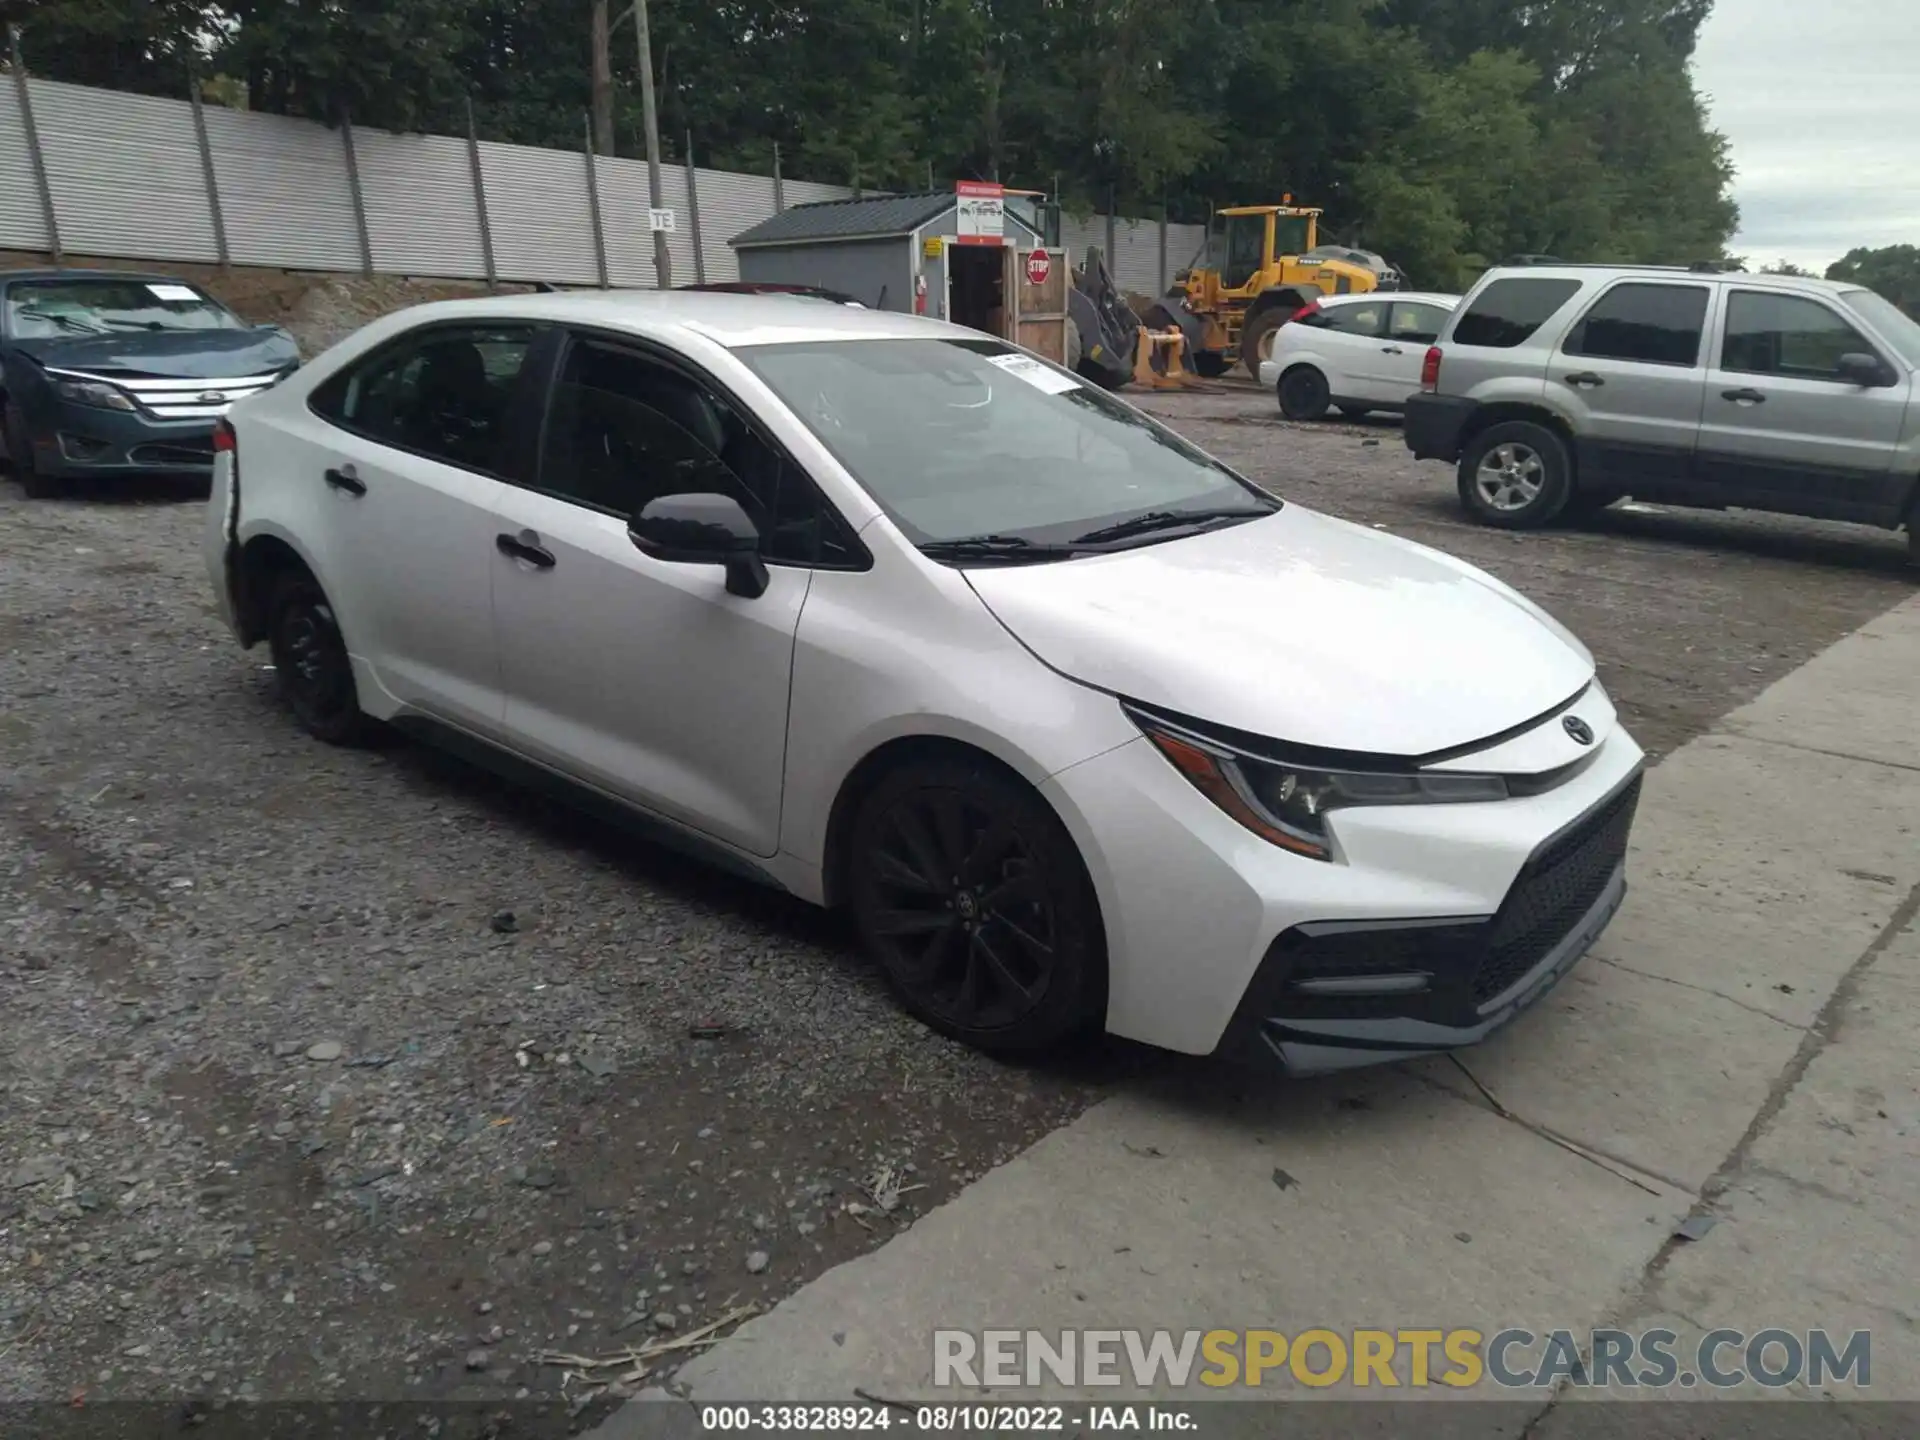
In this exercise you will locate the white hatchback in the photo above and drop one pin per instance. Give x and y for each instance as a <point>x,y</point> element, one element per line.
<point>1354,353</point>
<point>1082,728</point>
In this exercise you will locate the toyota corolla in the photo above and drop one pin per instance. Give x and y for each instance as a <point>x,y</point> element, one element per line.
<point>1084,729</point>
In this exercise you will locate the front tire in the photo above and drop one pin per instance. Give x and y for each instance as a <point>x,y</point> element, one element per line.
<point>971,895</point>
<point>1303,393</point>
<point>1516,476</point>
<point>20,456</point>
<point>311,664</point>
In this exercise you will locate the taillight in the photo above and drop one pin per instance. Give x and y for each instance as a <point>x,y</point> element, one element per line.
<point>1312,307</point>
<point>1430,370</point>
<point>225,442</point>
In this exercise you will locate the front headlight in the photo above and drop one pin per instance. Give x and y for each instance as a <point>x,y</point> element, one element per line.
<point>1287,803</point>
<point>93,392</point>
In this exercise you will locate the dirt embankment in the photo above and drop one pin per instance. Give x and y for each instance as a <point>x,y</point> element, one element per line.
<point>318,307</point>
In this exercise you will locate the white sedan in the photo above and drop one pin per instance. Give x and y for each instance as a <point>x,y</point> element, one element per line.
<point>1354,353</point>
<point>1082,727</point>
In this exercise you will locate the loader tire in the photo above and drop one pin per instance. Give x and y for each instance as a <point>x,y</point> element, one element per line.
<point>1210,364</point>
<point>1075,349</point>
<point>1255,336</point>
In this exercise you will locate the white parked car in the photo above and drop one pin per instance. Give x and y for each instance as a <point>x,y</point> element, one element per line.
<point>1083,728</point>
<point>1354,353</point>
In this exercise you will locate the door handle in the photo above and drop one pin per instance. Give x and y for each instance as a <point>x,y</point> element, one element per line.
<point>345,481</point>
<point>518,547</point>
<point>1745,396</point>
<point>1391,350</point>
<point>1585,380</point>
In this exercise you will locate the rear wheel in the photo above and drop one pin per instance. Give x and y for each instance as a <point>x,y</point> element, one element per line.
<point>1303,393</point>
<point>967,889</point>
<point>1515,476</point>
<point>20,456</point>
<point>310,662</point>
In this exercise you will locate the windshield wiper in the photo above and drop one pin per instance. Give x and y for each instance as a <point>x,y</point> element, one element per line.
<point>1163,520</point>
<point>71,322</point>
<point>1014,548</point>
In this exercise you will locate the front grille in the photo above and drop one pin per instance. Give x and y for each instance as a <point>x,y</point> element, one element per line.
<point>171,398</point>
<point>1559,886</point>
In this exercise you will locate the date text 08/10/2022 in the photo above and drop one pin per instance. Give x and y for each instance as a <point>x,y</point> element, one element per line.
<point>944,1419</point>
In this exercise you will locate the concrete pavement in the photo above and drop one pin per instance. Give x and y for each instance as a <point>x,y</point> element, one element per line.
<point>1739,1046</point>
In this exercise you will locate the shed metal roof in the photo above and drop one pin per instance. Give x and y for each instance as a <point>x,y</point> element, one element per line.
<point>871,218</point>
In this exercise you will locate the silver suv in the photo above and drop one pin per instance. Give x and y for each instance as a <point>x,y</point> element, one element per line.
<point>1560,388</point>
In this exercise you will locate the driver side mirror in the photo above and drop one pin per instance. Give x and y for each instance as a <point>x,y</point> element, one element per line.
<point>703,530</point>
<point>1857,367</point>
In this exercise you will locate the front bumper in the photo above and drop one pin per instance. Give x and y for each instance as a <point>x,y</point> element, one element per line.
<point>1334,996</point>
<point>1437,924</point>
<point>73,441</point>
<point>1433,424</point>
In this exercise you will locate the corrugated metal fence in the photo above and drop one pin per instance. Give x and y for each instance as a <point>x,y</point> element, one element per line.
<point>140,177</point>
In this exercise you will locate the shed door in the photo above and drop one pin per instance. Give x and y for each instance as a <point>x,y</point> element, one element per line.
<point>1038,315</point>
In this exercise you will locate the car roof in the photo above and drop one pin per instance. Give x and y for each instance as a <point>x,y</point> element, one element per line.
<point>1422,297</point>
<point>8,277</point>
<point>725,318</point>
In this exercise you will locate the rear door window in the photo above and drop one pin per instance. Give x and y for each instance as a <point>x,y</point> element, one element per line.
<point>445,393</point>
<point>1415,323</point>
<point>1652,324</point>
<point>1355,319</point>
<point>1509,311</point>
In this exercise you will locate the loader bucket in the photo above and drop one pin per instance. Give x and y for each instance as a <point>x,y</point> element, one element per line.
<point>1157,360</point>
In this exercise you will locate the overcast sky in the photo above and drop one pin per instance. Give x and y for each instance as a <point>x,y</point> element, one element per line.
<point>1822,104</point>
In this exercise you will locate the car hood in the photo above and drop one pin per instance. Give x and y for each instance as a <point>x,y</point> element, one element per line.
<point>174,354</point>
<point>1300,628</point>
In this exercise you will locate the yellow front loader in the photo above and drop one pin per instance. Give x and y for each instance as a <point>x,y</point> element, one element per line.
<point>1264,264</point>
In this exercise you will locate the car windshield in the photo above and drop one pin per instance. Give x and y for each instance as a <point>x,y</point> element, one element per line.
<point>958,439</point>
<point>1896,327</point>
<point>46,309</point>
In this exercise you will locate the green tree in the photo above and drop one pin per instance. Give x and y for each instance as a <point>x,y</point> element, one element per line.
<point>1893,271</point>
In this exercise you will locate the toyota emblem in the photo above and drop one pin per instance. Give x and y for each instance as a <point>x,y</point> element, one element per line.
<point>1581,732</point>
<point>212,397</point>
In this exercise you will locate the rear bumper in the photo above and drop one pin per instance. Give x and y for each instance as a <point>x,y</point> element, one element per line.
<point>1434,424</point>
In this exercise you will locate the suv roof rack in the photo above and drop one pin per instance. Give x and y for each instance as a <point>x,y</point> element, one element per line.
<point>1697,267</point>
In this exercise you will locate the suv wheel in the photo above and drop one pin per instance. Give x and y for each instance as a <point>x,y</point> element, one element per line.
<point>1516,476</point>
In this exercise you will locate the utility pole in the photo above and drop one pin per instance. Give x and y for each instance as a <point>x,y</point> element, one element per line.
<point>602,80</point>
<point>643,43</point>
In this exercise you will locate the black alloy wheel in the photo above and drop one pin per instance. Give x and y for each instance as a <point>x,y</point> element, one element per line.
<point>969,892</point>
<point>310,662</point>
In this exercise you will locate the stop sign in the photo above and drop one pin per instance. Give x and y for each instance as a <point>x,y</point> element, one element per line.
<point>1039,267</point>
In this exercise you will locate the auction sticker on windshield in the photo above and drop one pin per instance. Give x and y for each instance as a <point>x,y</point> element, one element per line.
<point>1034,373</point>
<point>173,292</point>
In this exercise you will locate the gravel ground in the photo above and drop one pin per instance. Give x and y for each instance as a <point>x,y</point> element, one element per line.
<point>359,1074</point>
